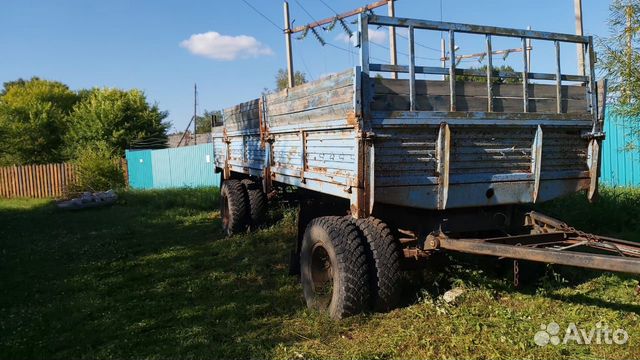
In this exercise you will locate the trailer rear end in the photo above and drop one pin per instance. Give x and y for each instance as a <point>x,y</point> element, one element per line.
<point>421,166</point>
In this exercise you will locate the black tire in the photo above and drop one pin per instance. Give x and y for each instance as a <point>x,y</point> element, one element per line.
<point>333,267</point>
<point>383,258</point>
<point>257,202</point>
<point>233,207</point>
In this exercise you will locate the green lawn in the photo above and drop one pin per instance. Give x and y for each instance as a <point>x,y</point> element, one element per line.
<point>153,277</point>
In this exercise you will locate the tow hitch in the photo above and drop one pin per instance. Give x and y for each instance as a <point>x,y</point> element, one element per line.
<point>550,241</point>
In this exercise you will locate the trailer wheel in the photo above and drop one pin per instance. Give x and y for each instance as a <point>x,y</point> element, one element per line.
<point>233,207</point>
<point>383,258</point>
<point>333,267</point>
<point>257,202</point>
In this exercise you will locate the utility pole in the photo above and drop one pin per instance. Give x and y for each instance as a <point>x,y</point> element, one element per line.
<point>287,37</point>
<point>529,48</point>
<point>577,7</point>
<point>392,38</point>
<point>443,54</point>
<point>195,113</point>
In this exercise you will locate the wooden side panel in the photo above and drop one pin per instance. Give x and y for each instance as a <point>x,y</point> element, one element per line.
<point>405,156</point>
<point>323,100</point>
<point>243,116</point>
<point>431,95</point>
<point>287,152</point>
<point>564,149</point>
<point>309,130</point>
<point>477,150</point>
<point>331,153</point>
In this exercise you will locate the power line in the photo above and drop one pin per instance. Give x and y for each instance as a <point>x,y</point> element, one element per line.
<point>419,44</point>
<point>329,7</point>
<point>305,10</point>
<point>305,65</point>
<point>325,43</point>
<point>350,52</point>
<point>403,53</point>
<point>263,15</point>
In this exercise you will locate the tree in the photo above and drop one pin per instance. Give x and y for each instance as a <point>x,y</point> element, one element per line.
<point>620,57</point>
<point>118,118</point>
<point>34,116</point>
<point>203,123</point>
<point>98,168</point>
<point>495,80</point>
<point>282,79</point>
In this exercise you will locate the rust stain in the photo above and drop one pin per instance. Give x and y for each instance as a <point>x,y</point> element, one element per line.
<point>352,119</point>
<point>322,170</point>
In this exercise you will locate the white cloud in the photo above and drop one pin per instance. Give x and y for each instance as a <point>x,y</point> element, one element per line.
<point>376,36</point>
<point>216,46</point>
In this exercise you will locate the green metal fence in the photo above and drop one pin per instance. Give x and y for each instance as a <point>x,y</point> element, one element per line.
<point>621,151</point>
<point>189,166</point>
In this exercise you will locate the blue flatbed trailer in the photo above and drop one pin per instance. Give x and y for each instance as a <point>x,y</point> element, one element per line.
<point>427,161</point>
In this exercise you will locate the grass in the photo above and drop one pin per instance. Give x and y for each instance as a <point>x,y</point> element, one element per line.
<point>154,277</point>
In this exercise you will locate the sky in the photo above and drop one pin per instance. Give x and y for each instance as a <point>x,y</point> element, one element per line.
<point>163,47</point>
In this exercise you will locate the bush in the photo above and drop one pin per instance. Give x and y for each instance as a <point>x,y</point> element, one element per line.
<point>121,118</point>
<point>98,169</point>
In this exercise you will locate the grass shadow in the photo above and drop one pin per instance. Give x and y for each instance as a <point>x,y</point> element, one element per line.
<point>151,276</point>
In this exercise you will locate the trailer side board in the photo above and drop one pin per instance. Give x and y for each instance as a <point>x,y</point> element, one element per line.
<point>304,135</point>
<point>496,138</point>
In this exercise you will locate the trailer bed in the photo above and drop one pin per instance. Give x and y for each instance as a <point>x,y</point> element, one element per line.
<point>427,144</point>
<point>427,165</point>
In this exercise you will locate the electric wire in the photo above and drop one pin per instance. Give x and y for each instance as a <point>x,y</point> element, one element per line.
<point>305,10</point>
<point>329,7</point>
<point>263,15</point>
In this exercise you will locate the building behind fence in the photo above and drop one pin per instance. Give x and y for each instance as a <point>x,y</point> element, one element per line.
<point>188,166</point>
<point>621,151</point>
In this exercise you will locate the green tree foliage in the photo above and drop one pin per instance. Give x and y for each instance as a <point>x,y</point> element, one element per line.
<point>117,117</point>
<point>34,116</point>
<point>203,122</point>
<point>282,80</point>
<point>98,168</point>
<point>619,56</point>
<point>495,80</point>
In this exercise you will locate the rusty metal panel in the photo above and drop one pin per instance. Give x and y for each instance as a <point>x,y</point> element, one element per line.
<point>488,165</point>
<point>219,148</point>
<point>310,132</point>
<point>254,152</point>
<point>325,102</point>
<point>488,150</point>
<point>331,153</point>
<point>405,156</point>
<point>242,116</point>
<point>564,149</point>
<point>287,152</point>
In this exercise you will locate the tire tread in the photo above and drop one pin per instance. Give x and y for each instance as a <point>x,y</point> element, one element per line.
<point>234,190</point>
<point>383,253</point>
<point>352,264</point>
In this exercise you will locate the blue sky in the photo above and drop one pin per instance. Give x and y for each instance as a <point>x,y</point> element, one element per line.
<point>164,46</point>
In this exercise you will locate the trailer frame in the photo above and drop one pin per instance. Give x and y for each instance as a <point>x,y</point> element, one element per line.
<point>439,165</point>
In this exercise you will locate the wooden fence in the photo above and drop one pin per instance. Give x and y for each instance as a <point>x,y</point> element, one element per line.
<point>36,181</point>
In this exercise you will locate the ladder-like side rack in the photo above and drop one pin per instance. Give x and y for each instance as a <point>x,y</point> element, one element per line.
<point>488,31</point>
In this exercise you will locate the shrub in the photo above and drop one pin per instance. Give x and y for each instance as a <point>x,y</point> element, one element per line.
<point>98,169</point>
